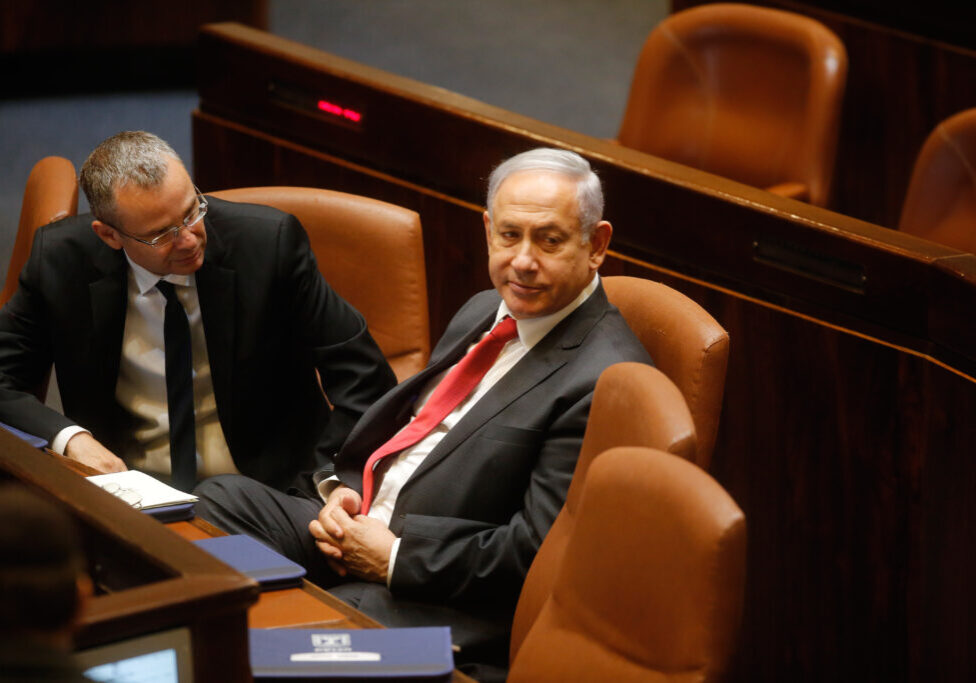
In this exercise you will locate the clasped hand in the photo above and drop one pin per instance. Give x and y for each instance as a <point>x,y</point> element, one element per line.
<point>352,543</point>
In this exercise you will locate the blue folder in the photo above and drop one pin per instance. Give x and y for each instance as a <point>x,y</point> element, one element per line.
<point>254,559</point>
<point>171,513</point>
<point>35,441</point>
<point>407,655</point>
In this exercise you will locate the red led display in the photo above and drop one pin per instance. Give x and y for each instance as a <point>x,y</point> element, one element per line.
<point>336,110</point>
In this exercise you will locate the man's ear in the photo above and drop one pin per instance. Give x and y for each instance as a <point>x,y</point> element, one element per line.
<point>487,220</point>
<point>107,234</point>
<point>599,242</point>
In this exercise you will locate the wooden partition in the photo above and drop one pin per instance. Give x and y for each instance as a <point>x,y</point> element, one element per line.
<point>148,578</point>
<point>845,436</point>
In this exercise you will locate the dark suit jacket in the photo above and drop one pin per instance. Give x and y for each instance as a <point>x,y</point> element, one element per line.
<point>269,317</point>
<point>472,516</point>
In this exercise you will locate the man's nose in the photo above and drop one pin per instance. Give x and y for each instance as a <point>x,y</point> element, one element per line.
<point>185,238</point>
<point>524,258</point>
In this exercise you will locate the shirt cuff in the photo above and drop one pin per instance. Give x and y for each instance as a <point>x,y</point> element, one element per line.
<point>389,568</point>
<point>327,486</point>
<point>60,441</point>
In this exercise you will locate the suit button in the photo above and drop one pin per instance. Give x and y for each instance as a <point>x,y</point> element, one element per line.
<point>402,516</point>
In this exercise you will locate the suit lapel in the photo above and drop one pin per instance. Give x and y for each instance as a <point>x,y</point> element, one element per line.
<point>108,297</point>
<point>545,358</point>
<point>216,289</point>
<point>394,410</point>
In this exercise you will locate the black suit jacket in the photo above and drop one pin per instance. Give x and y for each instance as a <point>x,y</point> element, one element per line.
<point>269,318</point>
<point>472,516</point>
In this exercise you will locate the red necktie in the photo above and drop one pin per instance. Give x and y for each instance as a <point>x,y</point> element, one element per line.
<point>458,383</point>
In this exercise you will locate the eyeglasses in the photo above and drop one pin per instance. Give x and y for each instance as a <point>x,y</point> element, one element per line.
<point>130,496</point>
<point>167,235</point>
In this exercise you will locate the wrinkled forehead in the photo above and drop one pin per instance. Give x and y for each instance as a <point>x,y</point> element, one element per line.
<point>157,205</point>
<point>533,192</point>
<point>539,188</point>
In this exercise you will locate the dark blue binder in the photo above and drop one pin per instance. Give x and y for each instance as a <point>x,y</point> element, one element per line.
<point>171,513</point>
<point>407,655</point>
<point>35,441</point>
<point>254,559</point>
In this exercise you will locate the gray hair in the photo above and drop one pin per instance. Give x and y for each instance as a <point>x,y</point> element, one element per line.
<point>589,193</point>
<point>132,156</point>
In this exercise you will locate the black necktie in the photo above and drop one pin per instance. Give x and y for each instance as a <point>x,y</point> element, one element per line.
<point>179,390</point>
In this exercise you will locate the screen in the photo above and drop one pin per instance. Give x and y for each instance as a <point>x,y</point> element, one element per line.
<point>163,657</point>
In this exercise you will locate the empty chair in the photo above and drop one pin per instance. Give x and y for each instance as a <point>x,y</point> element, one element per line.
<point>651,587</point>
<point>51,194</point>
<point>940,204</point>
<point>633,405</point>
<point>372,254</point>
<point>745,92</point>
<point>686,343</point>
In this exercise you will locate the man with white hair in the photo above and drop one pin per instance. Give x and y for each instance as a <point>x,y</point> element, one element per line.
<point>444,490</point>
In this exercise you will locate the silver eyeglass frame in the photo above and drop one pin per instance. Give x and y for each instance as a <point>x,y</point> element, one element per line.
<point>169,235</point>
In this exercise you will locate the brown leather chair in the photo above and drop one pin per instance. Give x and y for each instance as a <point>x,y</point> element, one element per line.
<point>686,344</point>
<point>744,92</point>
<point>651,587</point>
<point>372,254</point>
<point>51,194</point>
<point>940,204</point>
<point>633,405</point>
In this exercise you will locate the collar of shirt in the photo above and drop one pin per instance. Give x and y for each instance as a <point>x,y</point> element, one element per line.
<point>146,280</point>
<point>532,330</point>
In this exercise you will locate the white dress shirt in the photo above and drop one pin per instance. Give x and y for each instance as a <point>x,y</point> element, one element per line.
<point>141,387</point>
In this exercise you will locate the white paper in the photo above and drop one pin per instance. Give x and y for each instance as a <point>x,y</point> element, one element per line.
<point>153,493</point>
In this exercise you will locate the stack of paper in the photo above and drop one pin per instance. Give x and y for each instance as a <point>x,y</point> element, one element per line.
<point>145,493</point>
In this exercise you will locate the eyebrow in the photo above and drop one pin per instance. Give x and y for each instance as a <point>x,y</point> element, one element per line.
<point>186,211</point>
<point>534,228</point>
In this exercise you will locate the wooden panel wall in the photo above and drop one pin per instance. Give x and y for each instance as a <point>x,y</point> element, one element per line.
<point>845,434</point>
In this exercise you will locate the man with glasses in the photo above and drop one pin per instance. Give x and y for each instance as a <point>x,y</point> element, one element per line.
<point>185,331</point>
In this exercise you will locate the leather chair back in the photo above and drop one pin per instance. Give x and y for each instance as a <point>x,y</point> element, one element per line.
<point>651,587</point>
<point>686,344</point>
<point>50,195</point>
<point>940,204</point>
<point>372,254</point>
<point>745,92</point>
<point>633,405</point>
